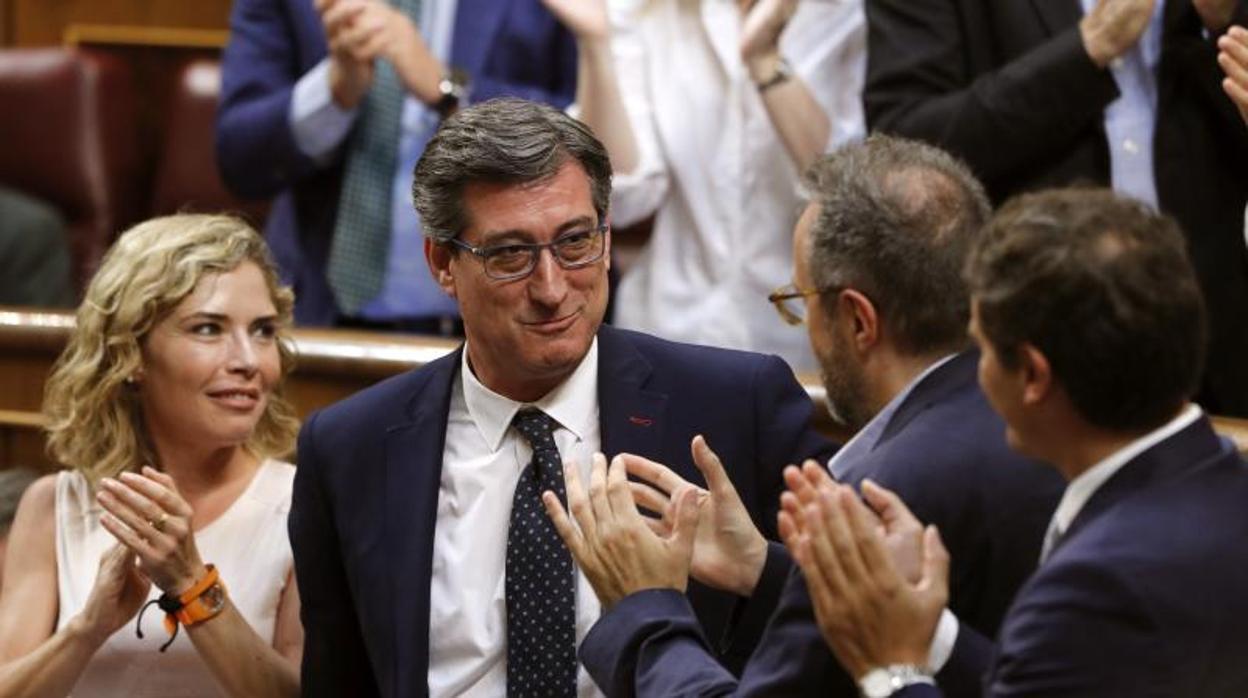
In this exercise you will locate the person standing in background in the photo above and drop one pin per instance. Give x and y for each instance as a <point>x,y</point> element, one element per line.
<point>711,111</point>
<point>1119,93</point>
<point>329,106</point>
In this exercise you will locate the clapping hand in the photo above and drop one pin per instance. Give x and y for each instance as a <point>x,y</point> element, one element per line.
<point>117,594</point>
<point>1233,57</point>
<point>1113,27</point>
<point>617,551</point>
<point>868,611</point>
<point>361,31</point>
<point>145,512</point>
<point>728,551</point>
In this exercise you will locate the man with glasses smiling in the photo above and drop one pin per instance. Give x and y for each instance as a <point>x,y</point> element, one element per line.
<point>426,563</point>
<point>877,281</point>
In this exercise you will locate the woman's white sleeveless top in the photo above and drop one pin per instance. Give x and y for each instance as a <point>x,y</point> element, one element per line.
<point>249,546</point>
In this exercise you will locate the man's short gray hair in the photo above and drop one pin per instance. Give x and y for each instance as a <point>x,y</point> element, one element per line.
<point>896,220</point>
<point>506,141</point>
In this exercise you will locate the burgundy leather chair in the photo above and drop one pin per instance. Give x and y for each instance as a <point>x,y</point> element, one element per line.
<point>67,136</point>
<point>187,176</point>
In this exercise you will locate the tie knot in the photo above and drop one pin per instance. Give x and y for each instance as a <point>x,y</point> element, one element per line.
<point>537,427</point>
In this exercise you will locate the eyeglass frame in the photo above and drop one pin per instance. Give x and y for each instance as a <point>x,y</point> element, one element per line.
<point>783,293</point>
<point>483,253</point>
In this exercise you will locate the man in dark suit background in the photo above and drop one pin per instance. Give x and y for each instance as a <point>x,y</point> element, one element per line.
<point>415,522</point>
<point>327,105</point>
<point>1091,325</point>
<point>1121,93</point>
<point>878,255</point>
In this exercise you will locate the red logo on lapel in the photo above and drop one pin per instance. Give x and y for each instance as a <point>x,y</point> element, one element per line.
<point>641,421</point>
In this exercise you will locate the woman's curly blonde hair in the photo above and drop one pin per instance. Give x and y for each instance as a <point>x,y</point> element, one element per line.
<point>95,419</point>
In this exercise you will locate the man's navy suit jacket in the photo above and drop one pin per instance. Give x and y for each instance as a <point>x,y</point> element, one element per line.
<point>1146,595</point>
<point>944,452</point>
<point>366,489</point>
<point>508,47</point>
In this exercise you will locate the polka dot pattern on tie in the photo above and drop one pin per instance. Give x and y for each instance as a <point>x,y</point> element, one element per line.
<point>541,582</point>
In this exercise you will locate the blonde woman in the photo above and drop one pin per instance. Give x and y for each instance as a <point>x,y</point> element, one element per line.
<point>166,410</point>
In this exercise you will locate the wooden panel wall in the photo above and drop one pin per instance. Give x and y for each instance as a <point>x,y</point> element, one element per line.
<point>332,364</point>
<point>44,22</point>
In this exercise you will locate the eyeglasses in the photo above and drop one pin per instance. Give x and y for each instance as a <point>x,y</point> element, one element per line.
<point>512,261</point>
<point>785,299</point>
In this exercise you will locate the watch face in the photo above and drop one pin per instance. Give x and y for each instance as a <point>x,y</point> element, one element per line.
<point>878,683</point>
<point>213,598</point>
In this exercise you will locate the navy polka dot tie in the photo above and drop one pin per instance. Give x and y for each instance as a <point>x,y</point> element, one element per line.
<point>541,584</point>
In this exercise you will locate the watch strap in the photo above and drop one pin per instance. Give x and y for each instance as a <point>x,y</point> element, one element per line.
<point>195,606</point>
<point>783,71</point>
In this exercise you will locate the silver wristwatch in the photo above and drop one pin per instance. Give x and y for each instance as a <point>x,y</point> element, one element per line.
<point>882,682</point>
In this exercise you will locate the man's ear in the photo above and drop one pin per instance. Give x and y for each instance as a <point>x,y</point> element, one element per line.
<point>857,308</point>
<point>439,259</point>
<point>1036,374</point>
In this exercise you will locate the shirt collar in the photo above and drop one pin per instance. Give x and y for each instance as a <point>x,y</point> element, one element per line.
<point>1081,489</point>
<point>572,403</point>
<point>864,440</point>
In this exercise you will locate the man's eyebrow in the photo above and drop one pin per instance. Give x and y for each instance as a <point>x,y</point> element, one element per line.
<point>570,224</point>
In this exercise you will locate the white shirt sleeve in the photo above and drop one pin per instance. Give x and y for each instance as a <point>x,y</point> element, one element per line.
<point>636,194</point>
<point>943,641</point>
<point>318,124</point>
<point>826,43</point>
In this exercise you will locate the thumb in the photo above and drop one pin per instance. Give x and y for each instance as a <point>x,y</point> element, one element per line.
<point>886,504</point>
<point>709,465</point>
<point>935,563</point>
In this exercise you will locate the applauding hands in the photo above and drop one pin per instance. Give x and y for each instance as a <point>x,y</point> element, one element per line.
<point>878,579</point>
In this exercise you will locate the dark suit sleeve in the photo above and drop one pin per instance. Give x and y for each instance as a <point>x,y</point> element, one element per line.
<point>558,93</point>
<point>782,413</point>
<point>784,436</point>
<point>650,644</point>
<point>1193,57</point>
<point>1081,630</point>
<point>919,85</point>
<point>335,662</point>
<point>792,658</point>
<point>256,149</point>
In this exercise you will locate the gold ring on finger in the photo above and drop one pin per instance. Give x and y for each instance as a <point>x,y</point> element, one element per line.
<point>159,524</point>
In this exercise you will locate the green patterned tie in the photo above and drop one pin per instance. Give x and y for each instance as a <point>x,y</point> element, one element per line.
<point>357,258</point>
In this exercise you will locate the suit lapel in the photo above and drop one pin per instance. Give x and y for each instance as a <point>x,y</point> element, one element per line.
<point>476,24</point>
<point>936,386</point>
<point>632,419</point>
<point>1057,15</point>
<point>413,452</point>
<point>1174,457</point>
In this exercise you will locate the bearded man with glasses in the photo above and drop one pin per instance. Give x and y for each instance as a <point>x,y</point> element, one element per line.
<point>878,256</point>
<point>426,563</point>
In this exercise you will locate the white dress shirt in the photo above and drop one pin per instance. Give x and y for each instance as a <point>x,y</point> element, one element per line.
<point>713,169</point>
<point>1077,494</point>
<point>1131,120</point>
<point>481,465</point>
